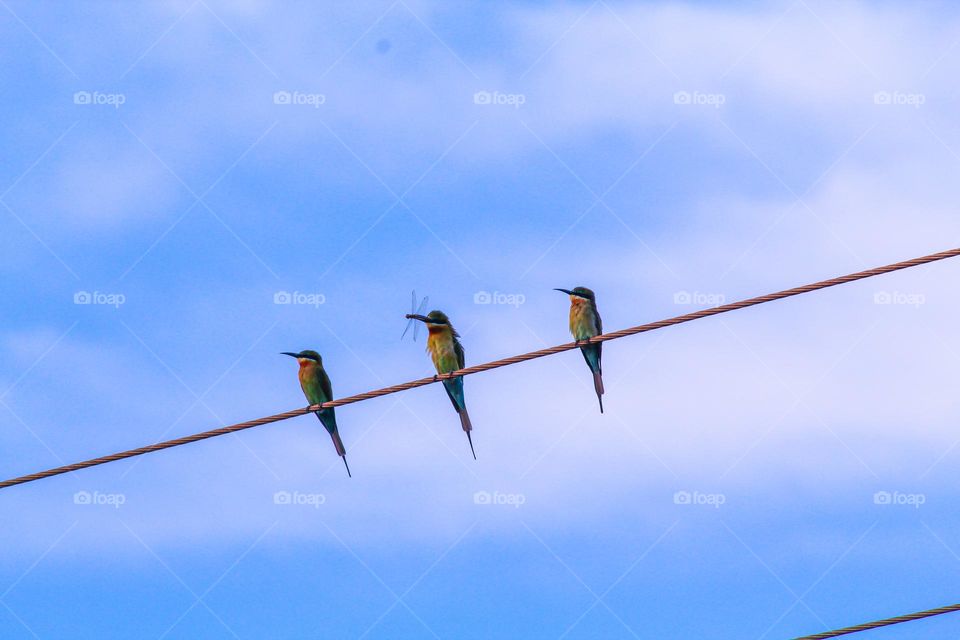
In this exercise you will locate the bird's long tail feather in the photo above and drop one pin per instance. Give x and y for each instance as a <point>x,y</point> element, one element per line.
<point>338,443</point>
<point>598,385</point>
<point>467,428</point>
<point>341,450</point>
<point>470,440</point>
<point>591,353</point>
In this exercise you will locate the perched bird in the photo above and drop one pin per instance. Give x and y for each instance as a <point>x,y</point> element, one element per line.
<point>447,355</point>
<point>585,323</point>
<point>316,387</point>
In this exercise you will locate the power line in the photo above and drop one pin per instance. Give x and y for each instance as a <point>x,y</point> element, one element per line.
<point>866,626</point>
<point>660,324</point>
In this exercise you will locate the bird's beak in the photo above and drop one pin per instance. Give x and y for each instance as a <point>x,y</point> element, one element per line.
<point>569,293</point>
<point>417,316</point>
<point>292,355</point>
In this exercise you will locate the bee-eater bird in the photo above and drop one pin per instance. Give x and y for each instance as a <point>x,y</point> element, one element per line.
<point>585,323</point>
<point>447,355</point>
<point>316,387</point>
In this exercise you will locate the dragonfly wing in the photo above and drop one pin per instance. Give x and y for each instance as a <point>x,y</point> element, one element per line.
<point>419,311</point>
<point>413,306</point>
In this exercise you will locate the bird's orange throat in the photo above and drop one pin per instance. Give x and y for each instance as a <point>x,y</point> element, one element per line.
<point>440,339</point>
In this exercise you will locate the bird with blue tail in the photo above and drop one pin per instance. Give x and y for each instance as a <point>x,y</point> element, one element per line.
<point>317,389</point>
<point>585,323</point>
<point>446,352</point>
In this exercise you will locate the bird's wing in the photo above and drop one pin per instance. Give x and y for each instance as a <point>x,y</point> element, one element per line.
<point>596,314</point>
<point>458,349</point>
<point>327,416</point>
<point>316,385</point>
<point>325,385</point>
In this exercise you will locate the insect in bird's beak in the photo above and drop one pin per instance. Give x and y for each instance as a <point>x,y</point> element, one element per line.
<point>417,316</point>
<point>414,311</point>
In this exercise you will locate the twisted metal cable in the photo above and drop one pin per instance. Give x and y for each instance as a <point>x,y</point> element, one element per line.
<point>910,617</point>
<point>660,324</point>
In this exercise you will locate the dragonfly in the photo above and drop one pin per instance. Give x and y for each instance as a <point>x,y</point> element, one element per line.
<point>415,310</point>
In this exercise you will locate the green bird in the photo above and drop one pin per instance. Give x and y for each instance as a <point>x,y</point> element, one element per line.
<point>585,323</point>
<point>447,354</point>
<point>316,387</point>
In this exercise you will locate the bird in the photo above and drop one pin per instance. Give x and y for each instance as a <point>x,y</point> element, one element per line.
<point>447,354</point>
<point>316,387</point>
<point>585,323</point>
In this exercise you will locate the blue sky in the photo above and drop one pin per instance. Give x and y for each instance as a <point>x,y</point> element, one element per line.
<point>656,152</point>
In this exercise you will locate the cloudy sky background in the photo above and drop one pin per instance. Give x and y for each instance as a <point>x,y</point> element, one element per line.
<point>647,150</point>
